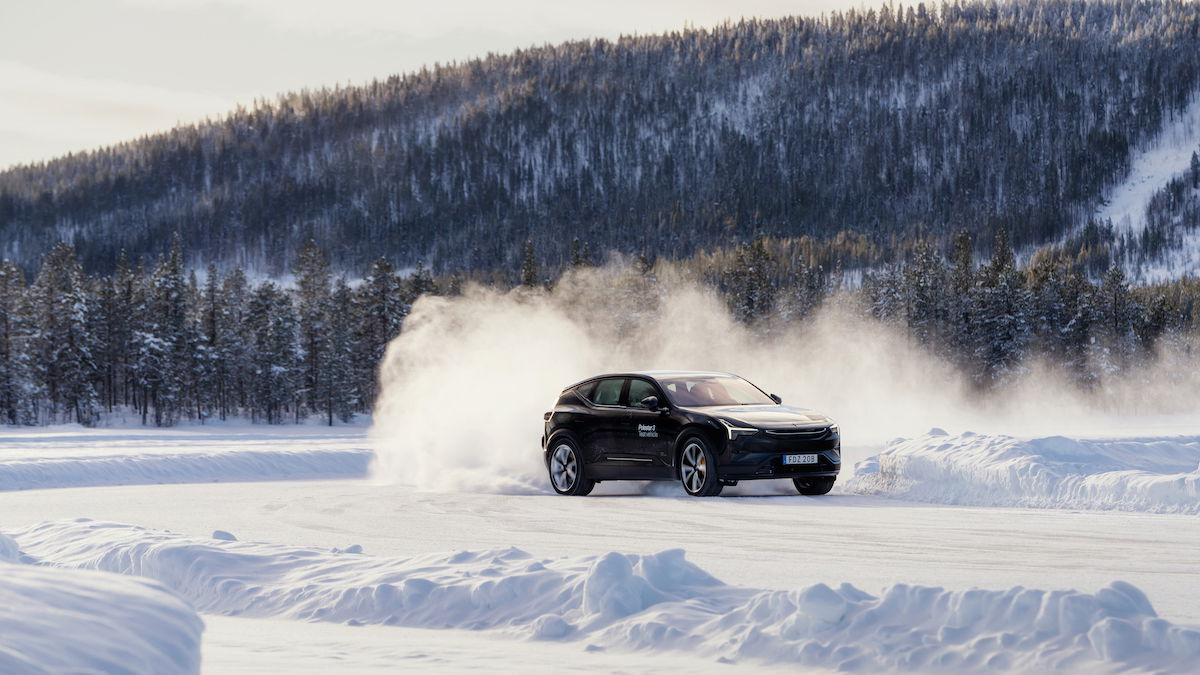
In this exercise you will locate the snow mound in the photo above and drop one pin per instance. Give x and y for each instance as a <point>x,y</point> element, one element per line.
<point>73,621</point>
<point>1136,474</point>
<point>642,602</point>
<point>32,473</point>
<point>9,552</point>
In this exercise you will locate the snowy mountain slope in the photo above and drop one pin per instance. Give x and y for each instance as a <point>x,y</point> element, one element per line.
<point>1139,474</point>
<point>77,621</point>
<point>892,123</point>
<point>651,602</point>
<point>73,457</point>
<point>1151,171</point>
<point>1166,157</point>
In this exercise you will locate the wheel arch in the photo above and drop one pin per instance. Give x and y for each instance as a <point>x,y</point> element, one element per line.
<point>709,435</point>
<point>563,433</point>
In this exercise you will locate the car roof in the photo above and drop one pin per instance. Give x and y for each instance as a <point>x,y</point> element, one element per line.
<point>655,375</point>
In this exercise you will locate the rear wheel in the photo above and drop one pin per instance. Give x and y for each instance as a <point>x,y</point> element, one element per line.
<point>814,486</point>
<point>698,469</point>
<point>567,473</point>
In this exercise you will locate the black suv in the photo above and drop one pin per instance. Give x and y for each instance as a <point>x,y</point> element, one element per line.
<point>706,430</point>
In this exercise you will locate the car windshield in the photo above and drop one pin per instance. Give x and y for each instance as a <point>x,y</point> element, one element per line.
<point>708,390</point>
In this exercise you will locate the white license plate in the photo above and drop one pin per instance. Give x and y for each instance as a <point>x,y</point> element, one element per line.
<point>799,459</point>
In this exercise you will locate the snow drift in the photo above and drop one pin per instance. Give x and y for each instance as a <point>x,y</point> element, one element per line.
<point>1139,474</point>
<point>70,456</point>
<point>75,621</point>
<point>192,467</point>
<point>649,602</point>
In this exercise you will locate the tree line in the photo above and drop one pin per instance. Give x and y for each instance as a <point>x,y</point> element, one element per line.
<point>991,318</point>
<point>159,341</point>
<point>889,123</point>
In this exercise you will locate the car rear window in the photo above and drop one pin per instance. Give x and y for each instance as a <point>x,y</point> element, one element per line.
<point>608,392</point>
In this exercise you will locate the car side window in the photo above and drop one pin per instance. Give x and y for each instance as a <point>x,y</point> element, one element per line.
<point>640,389</point>
<point>608,392</point>
<point>586,390</point>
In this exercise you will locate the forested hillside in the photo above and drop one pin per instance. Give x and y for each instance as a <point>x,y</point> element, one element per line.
<point>878,124</point>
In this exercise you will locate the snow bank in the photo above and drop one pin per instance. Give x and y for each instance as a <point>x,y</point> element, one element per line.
<point>9,552</point>
<point>651,602</point>
<point>56,621</point>
<point>31,473</point>
<point>1137,474</point>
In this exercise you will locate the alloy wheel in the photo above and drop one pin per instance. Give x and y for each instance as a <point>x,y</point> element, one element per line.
<point>694,467</point>
<point>564,467</point>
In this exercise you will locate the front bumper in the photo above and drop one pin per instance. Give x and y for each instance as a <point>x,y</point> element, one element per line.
<point>760,456</point>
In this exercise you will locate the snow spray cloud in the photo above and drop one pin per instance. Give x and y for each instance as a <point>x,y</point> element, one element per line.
<point>464,386</point>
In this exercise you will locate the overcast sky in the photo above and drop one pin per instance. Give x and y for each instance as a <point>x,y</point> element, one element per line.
<point>79,74</point>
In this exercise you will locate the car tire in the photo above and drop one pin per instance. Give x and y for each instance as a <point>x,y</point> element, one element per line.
<point>814,486</point>
<point>568,473</point>
<point>698,468</point>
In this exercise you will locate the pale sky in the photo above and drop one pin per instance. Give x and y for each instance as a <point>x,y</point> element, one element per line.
<point>80,74</point>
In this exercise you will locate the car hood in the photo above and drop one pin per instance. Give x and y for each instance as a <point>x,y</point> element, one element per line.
<point>768,416</point>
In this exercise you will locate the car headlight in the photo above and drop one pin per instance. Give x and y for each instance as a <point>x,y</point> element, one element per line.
<point>835,429</point>
<point>734,429</point>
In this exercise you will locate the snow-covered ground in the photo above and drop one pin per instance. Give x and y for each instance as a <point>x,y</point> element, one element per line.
<point>349,574</point>
<point>54,621</point>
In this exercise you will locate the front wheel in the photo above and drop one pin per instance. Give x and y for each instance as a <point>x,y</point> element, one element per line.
<point>698,469</point>
<point>567,473</point>
<point>814,486</point>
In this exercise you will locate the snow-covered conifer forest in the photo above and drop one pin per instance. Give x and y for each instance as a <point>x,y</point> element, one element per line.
<point>160,343</point>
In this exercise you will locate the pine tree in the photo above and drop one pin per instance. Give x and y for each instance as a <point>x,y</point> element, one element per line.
<point>884,291</point>
<point>1049,310</point>
<point>925,287</point>
<point>381,308</point>
<point>275,379</point>
<point>63,347</point>
<point>530,273</point>
<point>167,340</point>
<point>16,385</point>
<point>211,327</point>
<point>338,386</point>
<point>113,327</point>
<point>962,299</point>
<point>1118,315</point>
<point>420,282</point>
<point>233,345</point>
<point>127,320</point>
<point>312,291</point>
<point>580,254</point>
<point>1002,307</point>
<point>1077,335</point>
<point>750,282</point>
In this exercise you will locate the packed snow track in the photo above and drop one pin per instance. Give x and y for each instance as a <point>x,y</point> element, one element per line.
<point>636,578</point>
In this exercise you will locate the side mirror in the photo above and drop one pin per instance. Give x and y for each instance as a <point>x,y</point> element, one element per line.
<point>649,403</point>
<point>777,398</point>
